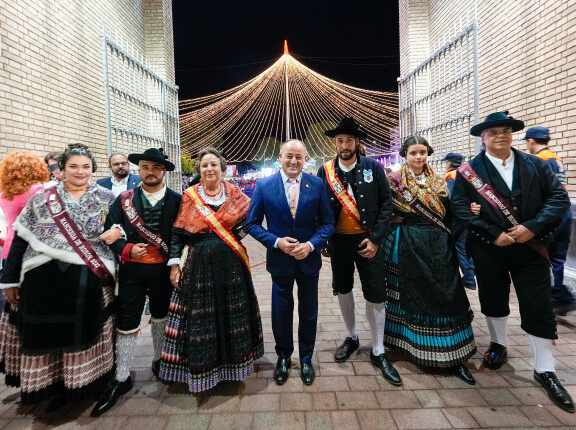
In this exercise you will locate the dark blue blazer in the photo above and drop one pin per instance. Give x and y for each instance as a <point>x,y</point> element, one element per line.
<point>133,182</point>
<point>314,222</point>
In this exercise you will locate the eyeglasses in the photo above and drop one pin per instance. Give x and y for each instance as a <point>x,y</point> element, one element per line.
<point>493,132</point>
<point>121,163</point>
<point>53,167</point>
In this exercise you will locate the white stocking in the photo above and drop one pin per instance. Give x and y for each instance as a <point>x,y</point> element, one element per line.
<point>125,349</point>
<point>376,315</point>
<point>157,329</point>
<point>497,328</point>
<point>347,308</point>
<point>542,353</point>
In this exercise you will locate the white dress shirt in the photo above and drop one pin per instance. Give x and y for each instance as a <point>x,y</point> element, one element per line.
<point>119,187</point>
<point>505,168</point>
<point>287,186</point>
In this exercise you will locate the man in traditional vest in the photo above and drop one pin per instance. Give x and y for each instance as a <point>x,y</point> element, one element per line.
<point>453,161</point>
<point>521,205</point>
<point>563,300</point>
<point>360,198</point>
<point>146,215</point>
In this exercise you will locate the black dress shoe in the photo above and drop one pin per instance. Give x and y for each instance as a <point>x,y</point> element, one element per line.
<point>111,396</point>
<point>555,390</point>
<point>345,350</point>
<point>307,373</point>
<point>281,371</point>
<point>463,373</point>
<point>389,373</point>
<point>495,356</point>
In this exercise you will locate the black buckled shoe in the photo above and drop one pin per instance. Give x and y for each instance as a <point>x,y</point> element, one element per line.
<point>556,392</point>
<point>109,398</point>
<point>345,350</point>
<point>495,356</point>
<point>389,373</point>
<point>281,371</point>
<point>307,373</point>
<point>463,373</point>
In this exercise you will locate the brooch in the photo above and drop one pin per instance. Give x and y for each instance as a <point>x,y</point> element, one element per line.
<point>368,176</point>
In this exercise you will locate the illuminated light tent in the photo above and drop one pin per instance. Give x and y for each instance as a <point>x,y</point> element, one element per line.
<point>287,100</point>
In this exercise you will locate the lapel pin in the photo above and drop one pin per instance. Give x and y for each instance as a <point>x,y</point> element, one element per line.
<point>307,185</point>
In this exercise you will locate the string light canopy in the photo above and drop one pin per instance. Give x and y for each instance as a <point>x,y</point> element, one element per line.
<point>286,101</point>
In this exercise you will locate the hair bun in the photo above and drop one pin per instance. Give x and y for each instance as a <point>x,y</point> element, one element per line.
<point>77,146</point>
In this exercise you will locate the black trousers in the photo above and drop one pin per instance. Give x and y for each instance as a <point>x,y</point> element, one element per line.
<point>530,273</point>
<point>136,281</point>
<point>344,255</point>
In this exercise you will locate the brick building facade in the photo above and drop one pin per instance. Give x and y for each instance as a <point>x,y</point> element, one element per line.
<point>52,71</point>
<point>526,60</point>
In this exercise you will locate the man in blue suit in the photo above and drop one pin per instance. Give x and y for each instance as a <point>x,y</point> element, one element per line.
<point>121,179</point>
<point>300,221</point>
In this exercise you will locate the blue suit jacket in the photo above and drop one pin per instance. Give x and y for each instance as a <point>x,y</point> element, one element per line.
<point>314,222</point>
<point>133,182</point>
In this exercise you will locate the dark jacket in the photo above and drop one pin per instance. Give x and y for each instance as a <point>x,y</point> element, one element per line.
<point>537,196</point>
<point>133,182</point>
<point>117,216</point>
<point>374,199</point>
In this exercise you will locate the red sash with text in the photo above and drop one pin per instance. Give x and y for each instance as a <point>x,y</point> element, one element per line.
<point>219,227</point>
<point>341,193</point>
<point>415,204</point>
<point>152,237</point>
<point>498,202</point>
<point>74,237</point>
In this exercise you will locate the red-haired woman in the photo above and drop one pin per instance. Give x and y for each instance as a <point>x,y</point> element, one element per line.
<point>21,175</point>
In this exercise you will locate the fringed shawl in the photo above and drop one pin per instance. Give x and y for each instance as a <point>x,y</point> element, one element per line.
<point>232,212</point>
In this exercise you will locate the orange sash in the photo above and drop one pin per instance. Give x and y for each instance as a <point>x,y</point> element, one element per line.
<point>219,227</point>
<point>341,193</point>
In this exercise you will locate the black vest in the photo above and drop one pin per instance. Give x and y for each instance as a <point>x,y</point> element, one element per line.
<point>152,214</point>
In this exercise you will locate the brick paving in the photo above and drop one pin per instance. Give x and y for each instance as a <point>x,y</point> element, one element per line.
<point>344,396</point>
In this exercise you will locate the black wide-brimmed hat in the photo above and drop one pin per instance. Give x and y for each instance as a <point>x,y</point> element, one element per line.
<point>346,126</point>
<point>152,154</point>
<point>497,119</point>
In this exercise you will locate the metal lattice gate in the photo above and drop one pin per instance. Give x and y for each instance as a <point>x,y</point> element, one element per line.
<point>439,99</point>
<point>141,108</point>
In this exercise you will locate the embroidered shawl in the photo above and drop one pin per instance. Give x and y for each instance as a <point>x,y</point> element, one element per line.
<point>232,212</point>
<point>45,242</point>
<point>428,193</point>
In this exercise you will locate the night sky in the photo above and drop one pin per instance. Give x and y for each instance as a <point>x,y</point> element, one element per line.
<point>214,36</point>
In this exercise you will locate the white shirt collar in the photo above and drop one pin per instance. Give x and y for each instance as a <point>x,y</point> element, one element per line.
<point>121,182</point>
<point>154,198</point>
<point>347,169</point>
<point>499,162</point>
<point>285,177</point>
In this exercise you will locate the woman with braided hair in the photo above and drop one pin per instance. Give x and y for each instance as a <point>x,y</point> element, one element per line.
<point>428,315</point>
<point>56,338</point>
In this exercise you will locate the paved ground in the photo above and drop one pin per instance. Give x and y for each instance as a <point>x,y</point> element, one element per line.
<point>344,396</point>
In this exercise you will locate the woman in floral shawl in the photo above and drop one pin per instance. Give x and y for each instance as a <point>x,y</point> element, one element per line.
<point>57,335</point>
<point>428,315</point>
